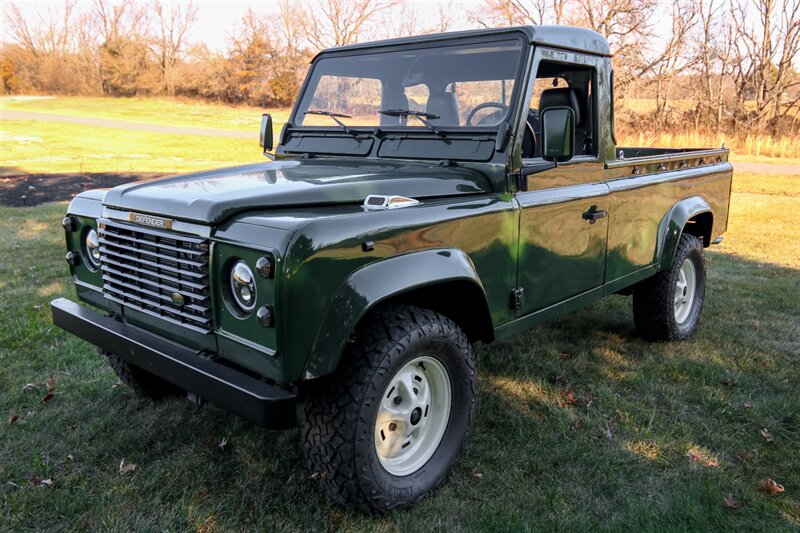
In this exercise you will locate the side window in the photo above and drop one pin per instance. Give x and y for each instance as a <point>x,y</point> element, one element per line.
<point>560,84</point>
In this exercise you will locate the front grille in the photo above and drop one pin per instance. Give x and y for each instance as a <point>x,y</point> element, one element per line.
<point>146,268</point>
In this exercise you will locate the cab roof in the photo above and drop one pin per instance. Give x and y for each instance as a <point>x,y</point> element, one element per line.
<point>565,37</point>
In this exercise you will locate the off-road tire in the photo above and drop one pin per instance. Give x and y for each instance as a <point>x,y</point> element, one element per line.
<point>653,305</point>
<point>340,413</point>
<point>141,381</point>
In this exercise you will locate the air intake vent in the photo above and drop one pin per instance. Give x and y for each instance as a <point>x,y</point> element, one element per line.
<point>377,201</point>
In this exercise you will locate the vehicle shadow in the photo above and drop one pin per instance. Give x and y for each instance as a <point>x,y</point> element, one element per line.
<point>25,189</point>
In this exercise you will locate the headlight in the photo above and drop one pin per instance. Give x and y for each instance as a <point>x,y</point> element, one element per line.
<point>92,249</point>
<point>243,286</point>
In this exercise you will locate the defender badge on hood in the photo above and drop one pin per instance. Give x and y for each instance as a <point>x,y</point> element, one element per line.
<point>149,220</point>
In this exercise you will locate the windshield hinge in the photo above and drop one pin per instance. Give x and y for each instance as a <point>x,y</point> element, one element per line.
<point>517,298</point>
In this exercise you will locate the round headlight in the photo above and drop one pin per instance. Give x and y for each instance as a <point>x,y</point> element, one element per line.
<point>92,245</point>
<point>243,286</point>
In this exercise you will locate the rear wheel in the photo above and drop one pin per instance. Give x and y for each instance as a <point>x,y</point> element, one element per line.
<point>389,426</point>
<point>668,306</point>
<point>141,381</point>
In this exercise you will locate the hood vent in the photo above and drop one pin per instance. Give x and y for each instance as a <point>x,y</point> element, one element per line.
<point>378,201</point>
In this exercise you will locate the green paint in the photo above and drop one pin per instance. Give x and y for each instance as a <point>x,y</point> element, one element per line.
<point>471,240</point>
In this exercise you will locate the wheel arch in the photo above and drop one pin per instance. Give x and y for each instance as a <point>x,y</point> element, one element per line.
<point>691,215</point>
<point>443,280</point>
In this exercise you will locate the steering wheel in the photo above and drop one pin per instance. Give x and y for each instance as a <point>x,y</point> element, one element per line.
<point>471,115</point>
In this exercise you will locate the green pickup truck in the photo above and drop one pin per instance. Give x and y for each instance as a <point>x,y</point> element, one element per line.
<point>425,194</point>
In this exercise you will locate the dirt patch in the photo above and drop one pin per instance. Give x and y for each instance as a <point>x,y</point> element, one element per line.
<point>34,189</point>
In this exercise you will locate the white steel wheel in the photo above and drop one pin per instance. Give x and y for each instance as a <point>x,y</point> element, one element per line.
<point>685,288</point>
<point>413,416</point>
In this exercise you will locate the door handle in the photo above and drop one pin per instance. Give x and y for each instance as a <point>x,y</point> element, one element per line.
<point>593,215</point>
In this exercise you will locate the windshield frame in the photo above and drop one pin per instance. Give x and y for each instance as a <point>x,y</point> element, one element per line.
<point>515,95</point>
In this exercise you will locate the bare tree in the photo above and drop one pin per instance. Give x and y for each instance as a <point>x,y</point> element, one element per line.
<point>328,23</point>
<point>517,12</point>
<point>767,50</point>
<point>405,20</point>
<point>173,23</point>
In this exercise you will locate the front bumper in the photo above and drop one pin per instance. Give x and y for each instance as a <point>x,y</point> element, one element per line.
<point>264,404</point>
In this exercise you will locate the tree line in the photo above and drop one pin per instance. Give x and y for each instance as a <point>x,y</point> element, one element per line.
<point>731,64</point>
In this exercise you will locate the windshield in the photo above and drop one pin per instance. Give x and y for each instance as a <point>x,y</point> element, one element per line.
<point>464,85</point>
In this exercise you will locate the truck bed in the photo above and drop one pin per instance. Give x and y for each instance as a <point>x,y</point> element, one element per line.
<point>637,160</point>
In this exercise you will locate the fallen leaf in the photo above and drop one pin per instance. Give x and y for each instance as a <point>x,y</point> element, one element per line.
<point>475,474</point>
<point>767,437</point>
<point>731,502</point>
<point>579,423</point>
<point>51,384</point>
<point>47,397</point>
<point>117,384</point>
<point>608,430</point>
<point>47,482</point>
<point>223,443</point>
<point>125,468</point>
<point>712,463</point>
<point>589,398</point>
<point>13,419</point>
<point>727,382</point>
<point>567,398</point>
<point>747,405</point>
<point>693,457</point>
<point>768,486</point>
<point>564,355</point>
<point>29,386</point>
<point>70,457</point>
<point>743,456</point>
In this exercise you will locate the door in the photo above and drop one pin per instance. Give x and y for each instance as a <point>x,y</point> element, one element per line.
<point>564,210</point>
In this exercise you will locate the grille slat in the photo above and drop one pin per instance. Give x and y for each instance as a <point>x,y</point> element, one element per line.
<point>122,248</point>
<point>143,268</point>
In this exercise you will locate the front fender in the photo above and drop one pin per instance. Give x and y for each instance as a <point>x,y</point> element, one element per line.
<point>375,283</point>
<point>671,227</point>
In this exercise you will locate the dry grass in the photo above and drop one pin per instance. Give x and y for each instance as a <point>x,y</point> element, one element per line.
<point>752,147</point>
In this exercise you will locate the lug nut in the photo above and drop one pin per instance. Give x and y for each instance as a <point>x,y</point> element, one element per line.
<point>392,426</point>
<point>397,400</point>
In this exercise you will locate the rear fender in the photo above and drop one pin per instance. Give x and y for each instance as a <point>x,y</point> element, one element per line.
<point>375,283</point>
<point>672,226</point>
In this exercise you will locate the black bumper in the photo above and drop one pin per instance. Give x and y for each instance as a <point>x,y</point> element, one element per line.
<point>267,405</point>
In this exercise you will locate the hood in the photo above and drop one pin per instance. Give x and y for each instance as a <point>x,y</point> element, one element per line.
<point>213,196</point>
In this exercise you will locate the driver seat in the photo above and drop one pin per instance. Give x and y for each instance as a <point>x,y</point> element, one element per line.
<point>444,105</point>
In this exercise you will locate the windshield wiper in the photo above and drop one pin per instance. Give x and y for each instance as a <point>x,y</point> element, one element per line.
<point>419,115</point>
<point>335,116</point>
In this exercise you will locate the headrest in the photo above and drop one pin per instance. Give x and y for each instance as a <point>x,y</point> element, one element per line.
<point>443,104</point>
<point>564,96</point>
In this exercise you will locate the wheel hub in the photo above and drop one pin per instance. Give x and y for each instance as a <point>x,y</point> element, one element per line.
<point>412,416</point>
<point>685,288</point>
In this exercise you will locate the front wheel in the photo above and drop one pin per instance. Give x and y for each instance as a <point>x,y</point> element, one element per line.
<point>392,422</point>
<point>667,306</point>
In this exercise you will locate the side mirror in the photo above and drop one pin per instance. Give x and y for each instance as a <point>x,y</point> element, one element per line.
<point>265,136</point>
<point>558,133</point>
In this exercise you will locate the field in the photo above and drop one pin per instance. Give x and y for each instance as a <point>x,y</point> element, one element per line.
<point>581,425</point>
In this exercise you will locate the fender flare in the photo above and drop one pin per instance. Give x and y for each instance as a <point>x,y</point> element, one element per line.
<point>373,284</point>
<point>672,225</point>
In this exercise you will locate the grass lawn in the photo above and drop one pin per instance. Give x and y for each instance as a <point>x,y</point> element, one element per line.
<point>42,147</point>
<point>165,111</point>
<point>581,424</point>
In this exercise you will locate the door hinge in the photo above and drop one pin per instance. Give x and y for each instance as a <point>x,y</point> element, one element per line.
<point>517,298</point>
